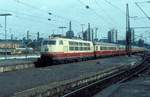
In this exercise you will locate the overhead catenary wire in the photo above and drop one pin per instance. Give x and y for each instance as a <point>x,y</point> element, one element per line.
<point>53,17</point>
<point>114,6</point>
<point>30,18</point>
<point>97,14</point>
<point>42,10</point>
<point>142,10</point>
<point>109,16</point>
<point>34,20</point>
<point>25,14</point>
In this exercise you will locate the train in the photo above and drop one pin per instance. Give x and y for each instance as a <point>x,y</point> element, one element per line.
<point>58,50</point>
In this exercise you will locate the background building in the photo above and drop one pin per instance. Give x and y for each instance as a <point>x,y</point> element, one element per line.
<point>112,36</point>
<point>9,46</point>
<point>70,33</point>
<point>132,36</point>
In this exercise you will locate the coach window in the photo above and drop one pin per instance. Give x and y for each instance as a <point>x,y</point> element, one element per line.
<point>96,47</point>
<point>103,48</point>
<point>81,48</point>
<point>111,48</point>
<point>114,48</point>
<point>86,48</point>
<point>100,48</point>
<point>76,43</point>
<point>85,44</point>
<point>71,48</point>
<point>60,42</point>
<point>76,48</point>
<point>106,48</point>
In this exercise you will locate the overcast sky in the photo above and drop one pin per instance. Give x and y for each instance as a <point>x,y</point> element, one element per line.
<point>33,15</point>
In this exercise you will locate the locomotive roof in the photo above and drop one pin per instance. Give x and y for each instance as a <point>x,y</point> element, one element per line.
<point>79,40</point>
<point>96,43</point>
<point>104,43</point>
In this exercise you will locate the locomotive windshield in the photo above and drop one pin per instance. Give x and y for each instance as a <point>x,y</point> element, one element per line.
<point>50,42</point>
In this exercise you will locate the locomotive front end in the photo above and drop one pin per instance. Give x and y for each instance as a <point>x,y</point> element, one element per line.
<point>47,53</point>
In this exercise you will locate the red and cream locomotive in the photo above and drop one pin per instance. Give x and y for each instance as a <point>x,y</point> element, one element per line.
<point>61,50</point>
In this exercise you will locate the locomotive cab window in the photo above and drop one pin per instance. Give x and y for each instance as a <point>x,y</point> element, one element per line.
<point>51,42</point>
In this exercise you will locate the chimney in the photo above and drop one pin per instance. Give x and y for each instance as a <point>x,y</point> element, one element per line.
<point>70,26</point>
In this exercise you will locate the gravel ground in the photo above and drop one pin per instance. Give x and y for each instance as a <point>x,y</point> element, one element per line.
<point>136,88</point>
<point>11,82</point>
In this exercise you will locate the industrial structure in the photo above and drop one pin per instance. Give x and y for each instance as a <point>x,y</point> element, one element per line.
<point>70,33</point>
<point>112,36</point>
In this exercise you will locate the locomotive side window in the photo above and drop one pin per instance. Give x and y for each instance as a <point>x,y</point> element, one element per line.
<point>81,48</point>
<point>60,42</point>
<point>103,48</point>
<point>70,43</point>
<point>96,47</point>
<point>85,48</point>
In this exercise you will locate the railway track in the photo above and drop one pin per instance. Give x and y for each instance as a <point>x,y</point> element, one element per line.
<point>46,61</point>
<point>118,77</point>
<point>81,84</point>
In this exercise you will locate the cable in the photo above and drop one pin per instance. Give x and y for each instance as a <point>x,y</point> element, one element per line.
<point>32,18</point>
<point>109,17</point>
<point>142,10</point>
<point>29,19</point>
<point>116,7</point>
<point>36,8</point>
<point>94,12</point>
<point>25,14</point>
<point>22,13</point>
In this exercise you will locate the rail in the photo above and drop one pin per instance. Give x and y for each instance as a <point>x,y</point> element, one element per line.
<point>93,88</point>
<point>82,84</point>
<point>60,88</point>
